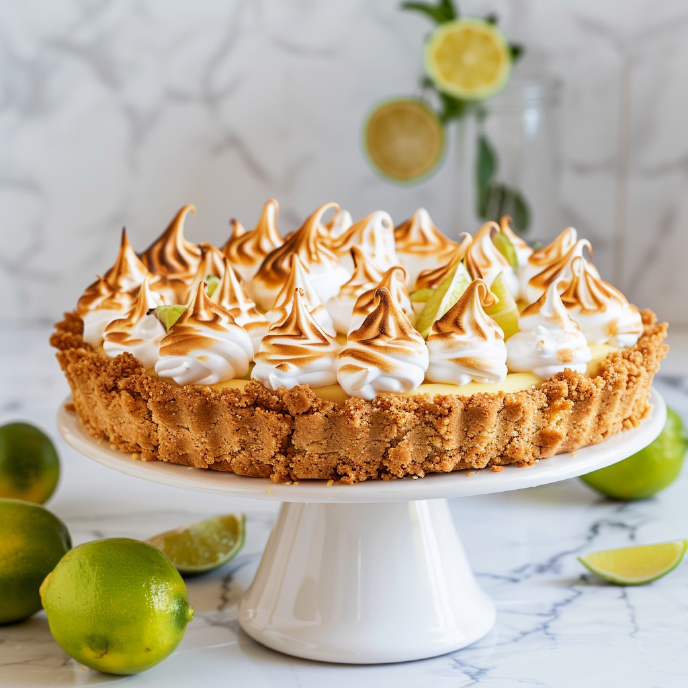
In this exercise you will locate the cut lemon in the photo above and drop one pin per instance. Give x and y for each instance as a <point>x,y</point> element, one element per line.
<point>443,298</point>
<point>468,59</point>
<point>404,139</point>
<point>505,311</point>
<point>168,315</point>
<point>636,565</point>
<point>204,545</point>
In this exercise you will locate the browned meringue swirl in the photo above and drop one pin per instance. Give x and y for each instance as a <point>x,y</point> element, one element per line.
<point>587,291</point>
<point>419,235</point>
<point>431,279</point>
<point>553,252</point>
<point>556,268</point>
<point>467,315</point>
<point>171,254</point>
<point>250,248</point>
<point>393,283</point>
<point>366,276</point>
<point>231,295</point>
<point>128,272</point>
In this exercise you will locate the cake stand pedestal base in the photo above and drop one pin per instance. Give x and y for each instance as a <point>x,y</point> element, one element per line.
<point>365,583</point>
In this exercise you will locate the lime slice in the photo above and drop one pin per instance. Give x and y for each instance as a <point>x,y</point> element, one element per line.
<point>649,471</point>
<point>421,295</point>
<point>468,59</point>
<point>636,565</point>
<point>212,283</point>
<point>505,311</point>
<point>168,315</point>
<point>443,298</point>
<point>404,139</point>
<point>203,546</point>
<point>505,247</point>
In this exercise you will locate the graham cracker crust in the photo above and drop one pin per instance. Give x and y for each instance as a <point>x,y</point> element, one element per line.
<point>293,435</point>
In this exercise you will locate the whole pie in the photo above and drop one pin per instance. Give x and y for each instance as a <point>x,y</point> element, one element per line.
<point>354,351</point>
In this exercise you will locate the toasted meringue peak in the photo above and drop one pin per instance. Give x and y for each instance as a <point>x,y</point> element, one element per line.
<point>138,333</point>
<point>232,297</point>
<point>172,255</point>
<point>367,275</point>
<point>297,351</point>
<point>542,258</point>
<point>384,355</point>
<point>431,279</point>
<point>465,344</point>
<point>601,311</point>
<point>340,222</point>
<point>247,250</point>
<point>212,263</point>
<point>393,281</point>
<point>560,271</point>
<point>99,306</point>
<point>374,235</point>
<point>298,279</point>
<point>420,245</point>
<point>484,261</point>
<point>523,251</point>
<point>128,272</point>
<point>205,345</point>
<point>549,340</point>
<point>309,244</point>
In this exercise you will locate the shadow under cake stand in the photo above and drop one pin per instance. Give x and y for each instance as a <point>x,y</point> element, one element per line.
<point>372,572</point>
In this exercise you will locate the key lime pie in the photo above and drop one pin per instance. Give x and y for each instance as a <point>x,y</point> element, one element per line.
<point>354,351</point>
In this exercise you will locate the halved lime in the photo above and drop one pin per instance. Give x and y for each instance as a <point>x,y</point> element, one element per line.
<point>505,247</point>
<point>468,58</point>
<point>168,315</point>
<point>505,311</point>
<point>204,545</point>
<point>404,139</point>
<point>443,298</point>
<point>636,565</point>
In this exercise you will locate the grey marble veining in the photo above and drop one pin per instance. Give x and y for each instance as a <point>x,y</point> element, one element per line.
<point>558,626</point>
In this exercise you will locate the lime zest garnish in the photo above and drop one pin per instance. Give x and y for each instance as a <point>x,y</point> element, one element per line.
<point>505,247</point>
<point>443,298</point>
<point>204,545</point>
<point>213,282</point>
<point>636,565</point>
<point>168,315</point>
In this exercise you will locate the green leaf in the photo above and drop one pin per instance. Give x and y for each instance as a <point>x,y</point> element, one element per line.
<point>516,51</point>
<point>492,18</point>
<point>521,212</point>
<point>452,108</point>
<point>442,12</point>
<point>485,170</point>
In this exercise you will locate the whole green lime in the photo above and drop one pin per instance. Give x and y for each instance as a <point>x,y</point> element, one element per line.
<point>650,470</point>
<point>32,541</point>
<point>116,605</point>
<point>29,465</point>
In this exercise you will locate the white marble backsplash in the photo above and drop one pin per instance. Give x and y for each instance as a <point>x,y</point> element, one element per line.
<point>117,113</point>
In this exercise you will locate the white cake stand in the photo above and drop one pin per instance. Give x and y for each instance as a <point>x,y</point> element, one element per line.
<point>372,572</point>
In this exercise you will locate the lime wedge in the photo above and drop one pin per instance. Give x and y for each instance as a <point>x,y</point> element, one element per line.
<point>443,298</point>
<point>212,283</point>
<point>505,247</point>
<point>468,59</point>
<point>636,565</point>
<point>421,295</point>
<point>404,139</point>
<point>505,311</point>
<point>203,546</point>
<point>168,315</point>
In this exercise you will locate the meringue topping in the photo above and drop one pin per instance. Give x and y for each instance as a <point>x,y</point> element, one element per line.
<point>385,354</point>
<point>465,344</point>
<point>297,351</point>
<point>231,296</point>
<point>393,281</point>
<point>431,279</point>
<point>523,251</point>
<point>549,340</point>
<point>601,311</point>
<point>172,255</point>
<point>546,256</point>
<point>205,345</point>
<point>139,333</point>
<point>298,279</point>
<point>319,262</point>
<point>484,261</point>
<point>340,222</point>
<point>99,306</point>
<point>421,246</point>
<point>247,250</point>
<point>367,275</point>
<point>128,272</point>
<point>374,235</point>
<point>212,263</point>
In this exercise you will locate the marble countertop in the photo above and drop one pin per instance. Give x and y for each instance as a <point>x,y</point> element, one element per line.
<point>557,625</point>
